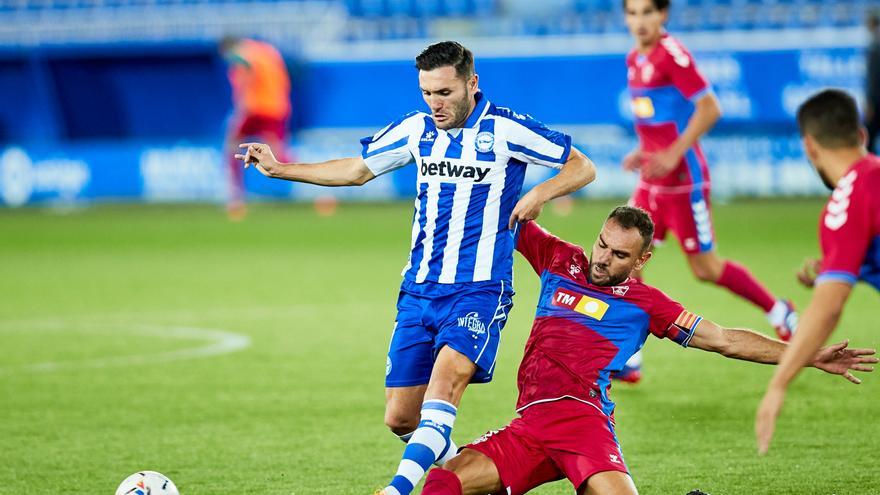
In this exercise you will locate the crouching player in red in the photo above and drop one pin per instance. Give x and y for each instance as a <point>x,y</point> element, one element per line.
<point>591,318</point>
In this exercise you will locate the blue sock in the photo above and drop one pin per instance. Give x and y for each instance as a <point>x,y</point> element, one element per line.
<point>451,451</point>
<point>428,443</point>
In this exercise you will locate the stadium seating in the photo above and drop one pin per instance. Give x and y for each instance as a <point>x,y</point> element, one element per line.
<point>28,22</point>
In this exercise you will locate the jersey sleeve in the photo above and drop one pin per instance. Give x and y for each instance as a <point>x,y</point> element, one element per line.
<point>388,149</point>
<point>845,233</point>
<point>536,245</point>
<point>670,320</point>
<point>530,141</point>
<point>682,70</point>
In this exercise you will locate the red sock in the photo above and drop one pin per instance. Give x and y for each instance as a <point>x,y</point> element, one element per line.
<point>737,279</point>
<point>442,482</point>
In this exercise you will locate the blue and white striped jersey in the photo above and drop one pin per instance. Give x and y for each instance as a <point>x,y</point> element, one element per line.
<point>469,180</point>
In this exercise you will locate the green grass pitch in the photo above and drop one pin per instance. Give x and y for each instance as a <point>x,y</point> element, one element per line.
<point>102,308</point>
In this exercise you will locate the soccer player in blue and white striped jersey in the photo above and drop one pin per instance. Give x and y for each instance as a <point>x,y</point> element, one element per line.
<point>471,157</point>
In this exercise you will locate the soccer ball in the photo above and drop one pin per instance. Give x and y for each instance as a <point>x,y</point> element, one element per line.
<point>147,483</point>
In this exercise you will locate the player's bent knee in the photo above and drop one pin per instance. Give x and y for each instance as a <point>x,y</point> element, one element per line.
<point>400,424</point>
<point>704,275</point>
<point>609,483</point>
<point>706,267</point>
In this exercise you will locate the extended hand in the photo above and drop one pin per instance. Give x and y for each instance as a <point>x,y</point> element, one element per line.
<point>837,359</point>
<point>661,163</point>
<point>260,156</point>
<point>527,208</point>
<point>633,160</point>
<point>807,274</point>
<point>765,419</point>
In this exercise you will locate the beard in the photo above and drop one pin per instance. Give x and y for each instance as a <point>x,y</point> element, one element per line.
<point>610,279</point>
<point>458,115</point>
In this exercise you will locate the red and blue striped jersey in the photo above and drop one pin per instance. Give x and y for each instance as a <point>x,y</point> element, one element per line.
<point>583,332</point>
<point>663,86</point>
<point>849,230</point>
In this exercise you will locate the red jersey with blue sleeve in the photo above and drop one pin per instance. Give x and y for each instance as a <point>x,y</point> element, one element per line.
<point>583,332</point>
<point>663,86</point>
<point>849,230</point>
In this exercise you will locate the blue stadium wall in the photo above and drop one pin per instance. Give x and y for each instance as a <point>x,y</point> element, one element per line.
<point>145,122</point>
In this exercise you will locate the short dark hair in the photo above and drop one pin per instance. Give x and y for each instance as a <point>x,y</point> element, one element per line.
<point>831,117</point>
<point>447,53</point>
<point>631,217</point>
<point>658,4</point>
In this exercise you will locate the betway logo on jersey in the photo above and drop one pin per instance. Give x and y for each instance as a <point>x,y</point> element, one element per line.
<point>585,305</point>
<point>448,169</point>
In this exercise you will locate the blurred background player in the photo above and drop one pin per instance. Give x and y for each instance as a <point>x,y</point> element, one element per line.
<point>872,81</point>
<point>261,107</point>
<point>457,285</point>
<point>588,322</point>
<point>673,106</point>
<point>849,235</point>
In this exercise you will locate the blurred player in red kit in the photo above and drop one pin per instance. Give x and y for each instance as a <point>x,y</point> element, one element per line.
<point>673,106</point>
<point>849,235</point>
<point>261,106</point>
<point>591,317</point>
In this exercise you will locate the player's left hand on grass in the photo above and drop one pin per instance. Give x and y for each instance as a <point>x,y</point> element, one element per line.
<point>527,208</point>
<point>765,419</point>
<point>260,156</point>
<point>660,163</point>
<point>837,359</point>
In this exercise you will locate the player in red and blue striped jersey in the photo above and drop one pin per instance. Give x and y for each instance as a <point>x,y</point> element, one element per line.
<point>849,234</point>
<point>591,317</point>
<point>673,106</point>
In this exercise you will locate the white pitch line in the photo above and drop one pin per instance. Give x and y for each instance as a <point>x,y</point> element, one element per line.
<point>183,314</point>
<point>219,342</point>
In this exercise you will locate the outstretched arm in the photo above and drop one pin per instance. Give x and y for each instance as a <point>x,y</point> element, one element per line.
<point>577,172</point>
<point>737,343</point>
<point>747,345</point>
<point>341,172</point>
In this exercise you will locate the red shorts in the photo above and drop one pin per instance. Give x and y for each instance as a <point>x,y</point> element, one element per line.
<point>551,441</point>
<point>687,214</point>
<point>259,126</point>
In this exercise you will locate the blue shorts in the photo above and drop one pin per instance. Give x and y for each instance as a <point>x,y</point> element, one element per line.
<point>467,317</point>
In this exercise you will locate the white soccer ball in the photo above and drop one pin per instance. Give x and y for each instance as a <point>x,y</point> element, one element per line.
<point>147,483</point>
